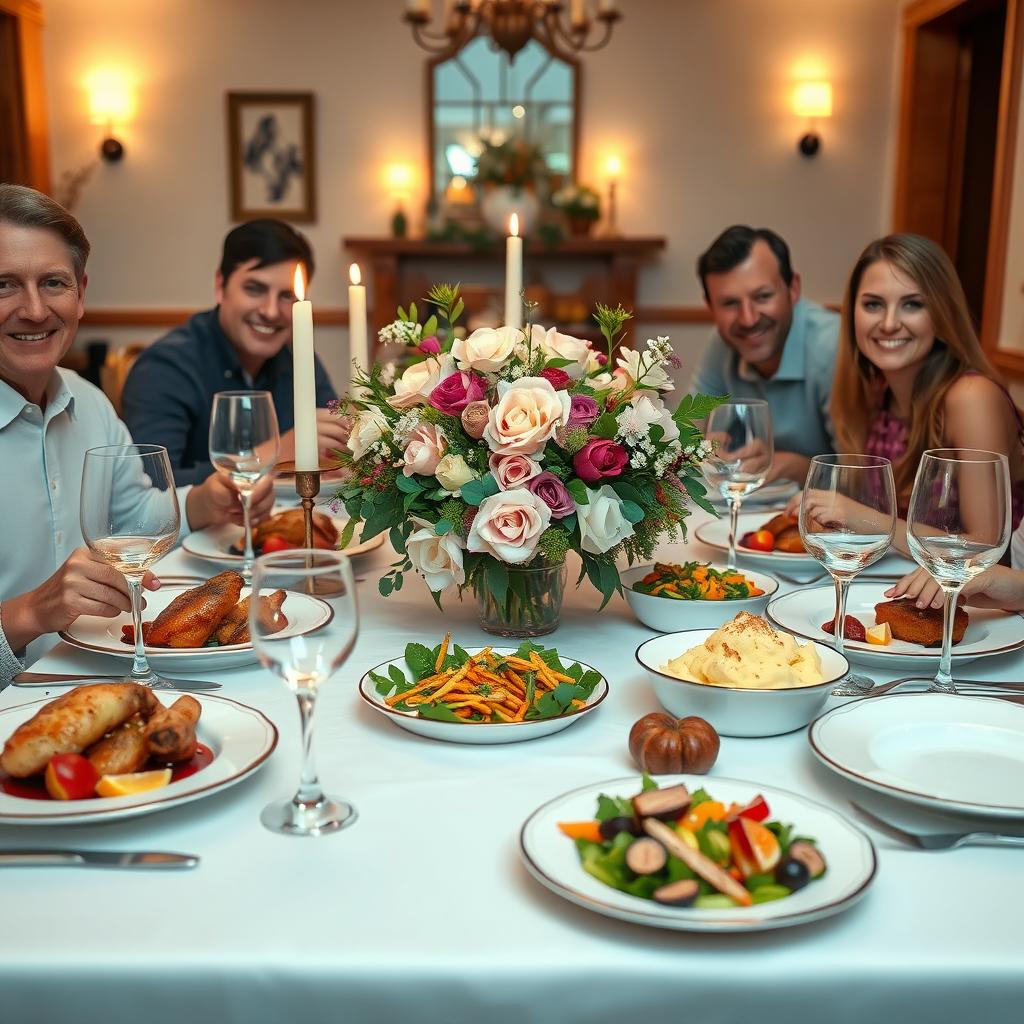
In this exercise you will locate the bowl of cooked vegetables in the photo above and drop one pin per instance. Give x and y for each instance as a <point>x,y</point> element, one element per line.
<point>694,595</point>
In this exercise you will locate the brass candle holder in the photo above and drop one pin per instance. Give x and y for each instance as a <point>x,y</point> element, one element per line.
<point>307,487</point>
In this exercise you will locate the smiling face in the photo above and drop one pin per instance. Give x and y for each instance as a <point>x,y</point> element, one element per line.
<point>892,325</point>
<point>41,302</point>
<point>753,308</point>
<point>256,310</point>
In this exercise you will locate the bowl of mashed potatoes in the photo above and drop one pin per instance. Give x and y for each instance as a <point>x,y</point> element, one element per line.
<point>745,678</point>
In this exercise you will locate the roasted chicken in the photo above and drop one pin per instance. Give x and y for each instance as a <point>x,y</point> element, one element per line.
<point>290,525</point>
<point>191,618</point>
<point>234,627</point>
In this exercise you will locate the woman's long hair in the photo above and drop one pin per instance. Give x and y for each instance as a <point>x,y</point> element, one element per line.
<point>859,386</point>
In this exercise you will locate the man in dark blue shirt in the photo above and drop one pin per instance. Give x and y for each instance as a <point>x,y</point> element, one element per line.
<point>241,344</point>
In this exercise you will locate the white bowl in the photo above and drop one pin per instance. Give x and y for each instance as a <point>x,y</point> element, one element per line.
<point>731,710</point>
<point>666,615</point>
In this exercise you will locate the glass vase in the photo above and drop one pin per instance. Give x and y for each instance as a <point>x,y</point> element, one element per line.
<point>531,605</point>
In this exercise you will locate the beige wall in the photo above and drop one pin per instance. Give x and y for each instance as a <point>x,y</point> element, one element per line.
<point>691,93</point>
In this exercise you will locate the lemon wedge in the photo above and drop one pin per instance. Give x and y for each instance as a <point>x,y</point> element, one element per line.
<point>880,634</point>
<point>132,783</point>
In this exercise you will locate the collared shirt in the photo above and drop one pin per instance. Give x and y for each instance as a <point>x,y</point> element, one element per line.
<point>42,454</point>
<point>798,393</point>
<point>169,393</point>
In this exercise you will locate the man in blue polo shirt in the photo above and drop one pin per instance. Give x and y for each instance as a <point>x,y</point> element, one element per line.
<point>241,344</point>
<point>769,343</point>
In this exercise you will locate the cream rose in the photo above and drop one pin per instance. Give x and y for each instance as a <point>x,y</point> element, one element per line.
<point>602,524</point>
<point>487,348</point>
<point>512,471</point>
<point>427,444</point>
<point>437,559</point>
<point>645,369</point>
<point>508,525</point>
<point>562,346</point>
<point>452,472</point>
<point>527,414</point>
<point>367,428</point>
<point>415,385</point>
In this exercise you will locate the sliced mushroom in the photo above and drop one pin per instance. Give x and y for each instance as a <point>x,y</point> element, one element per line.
<point>677,894</point>
<point>611,827</point>
<point>662,803</point>
<point>646,856</point>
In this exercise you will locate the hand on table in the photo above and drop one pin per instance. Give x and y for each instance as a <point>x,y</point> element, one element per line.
<point>331,433</point>
<point>216,501</point>
<point>999,587</point>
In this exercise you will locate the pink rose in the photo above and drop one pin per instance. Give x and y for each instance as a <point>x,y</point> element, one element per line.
<point>583,410</point>
<point>559,379</point>
<point>426,447</point>
<point>598,459</point>
<point>553,493</point>
<point>526,416</point>
<point>454,393</point>
<point>512,471</point>
<point>474,419</point>
<point>431,346</point>
<point>508,526</point>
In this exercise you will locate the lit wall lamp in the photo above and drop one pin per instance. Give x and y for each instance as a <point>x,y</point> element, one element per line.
<point>613,171</point>
<point>812,100</point>
<point>399,181</point>
<point>111,104</point>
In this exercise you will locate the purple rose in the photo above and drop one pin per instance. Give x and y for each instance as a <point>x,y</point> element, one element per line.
<point>455,392</point>
<point>583,410</point>
<point>431,346</point>
<point>552,492</point>
<point>599,459</point>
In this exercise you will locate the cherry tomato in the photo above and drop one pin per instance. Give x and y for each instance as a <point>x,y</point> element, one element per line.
<point>275,542</point>
<point>70,777</point>
<point>759,540</point>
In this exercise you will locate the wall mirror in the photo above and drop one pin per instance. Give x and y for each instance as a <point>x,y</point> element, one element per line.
<point>479,92</point>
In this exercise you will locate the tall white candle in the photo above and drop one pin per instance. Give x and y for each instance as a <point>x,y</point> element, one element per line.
<point>307,454</point>
<point>358,345</point>
<point>513,274</point>
<point>578,13</point>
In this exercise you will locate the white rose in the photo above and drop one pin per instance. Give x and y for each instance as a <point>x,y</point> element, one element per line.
<point>487,348</point>
<point>508,525</point>
<point>415,385</point>
<point>427,444</point>
<point>452,472</point>
<point>602,524</point>
<point>437,559</point>
<point>645,370</point>
<point>650,410</point>
<point>367,428</point>
<point>562,346</point>
<point>511,471</point>
<point>527,414</point>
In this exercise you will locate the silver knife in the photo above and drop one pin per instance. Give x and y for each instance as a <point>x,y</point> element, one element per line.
<point>150,859</point>
<point>59,679</point>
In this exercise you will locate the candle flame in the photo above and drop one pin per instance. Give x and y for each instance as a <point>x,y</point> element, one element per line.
<point>299,285</point>
<point>354,275</point>
<point>513,224</point>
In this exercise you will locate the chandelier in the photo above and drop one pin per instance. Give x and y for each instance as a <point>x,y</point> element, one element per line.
<point>513,23</point>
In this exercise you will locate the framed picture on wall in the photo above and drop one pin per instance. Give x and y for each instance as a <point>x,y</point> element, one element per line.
<point>271,155</point>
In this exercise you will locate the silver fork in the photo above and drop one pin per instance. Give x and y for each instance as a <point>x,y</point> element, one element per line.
<point>967,687</point>
<point>937,840</point>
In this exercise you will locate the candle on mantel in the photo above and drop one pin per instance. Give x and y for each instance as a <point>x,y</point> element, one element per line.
<point>513,274</point>
<point>578,13</point>
<point>358,346</point>
<point>307,453</point>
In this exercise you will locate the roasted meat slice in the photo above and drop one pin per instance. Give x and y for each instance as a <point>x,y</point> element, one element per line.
<point>919,625</point>
<point>190,619</point>
<point>234,627</point>
<point>290,525</point>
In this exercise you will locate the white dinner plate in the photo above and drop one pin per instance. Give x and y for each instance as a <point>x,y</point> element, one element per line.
<point>772,495</point>
<point>950,752</point>
<point>552,859</point>
<point>214,543</point>
<point>481,733</point>
<point>240,737</point>
<point>91,633</point>
<point>989,631</point>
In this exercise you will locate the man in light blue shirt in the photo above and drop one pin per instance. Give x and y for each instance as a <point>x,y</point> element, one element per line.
<point>49,417</point>
<point>770,343</point>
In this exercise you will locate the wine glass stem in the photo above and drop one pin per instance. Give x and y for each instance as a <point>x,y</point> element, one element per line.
<point>944,677</point>
<point>140,667</point>
<point>243,496</point>
<point>734,521</point>
<point>309,793</point>
<point>842,588</point>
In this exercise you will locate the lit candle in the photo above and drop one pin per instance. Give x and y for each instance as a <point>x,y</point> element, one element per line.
<point>578,12</point>
<point>513,274</point>
<point>359,349</point>
<point>307,454</point>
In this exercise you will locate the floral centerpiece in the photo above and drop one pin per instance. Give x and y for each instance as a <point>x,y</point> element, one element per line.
<point>581,205</point>
<point>492,456</point>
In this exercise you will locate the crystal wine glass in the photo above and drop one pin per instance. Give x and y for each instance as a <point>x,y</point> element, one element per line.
<point>957,527</point>
<point>130,518</point>
<point>847,522</point>
<point>304,663</point>
<point>244,443</point>
<point>743,453</point>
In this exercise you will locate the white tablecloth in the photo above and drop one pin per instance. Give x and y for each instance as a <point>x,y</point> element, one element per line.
<point>423,911</point>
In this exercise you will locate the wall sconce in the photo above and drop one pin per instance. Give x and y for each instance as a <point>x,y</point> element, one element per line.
<point>613,169</point>
<point>399,182</point>
<point>111,103</point>
<point>812,100</point>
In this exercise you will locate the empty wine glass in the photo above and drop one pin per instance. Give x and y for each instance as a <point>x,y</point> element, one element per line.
<point>244,443</point>
<point>742,435</point>
<point>304,663</point>
<point>847,522</point>
<point>957,527</point>
<point>130,518</point>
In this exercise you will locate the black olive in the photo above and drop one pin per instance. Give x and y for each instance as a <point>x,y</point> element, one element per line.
<point>611,827</point>
<point>792,873</point>
<point>808,855</point>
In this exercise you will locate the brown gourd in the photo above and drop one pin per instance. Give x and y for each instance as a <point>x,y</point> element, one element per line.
<point>663,745</point>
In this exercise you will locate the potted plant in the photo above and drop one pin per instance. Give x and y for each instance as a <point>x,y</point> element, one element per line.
<point>509,174</point>
<point>581,206</point>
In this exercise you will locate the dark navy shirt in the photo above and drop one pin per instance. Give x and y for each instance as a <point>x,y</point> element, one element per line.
<point>169,392</point>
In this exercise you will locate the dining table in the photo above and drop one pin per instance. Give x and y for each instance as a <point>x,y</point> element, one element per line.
<point>423,909</point>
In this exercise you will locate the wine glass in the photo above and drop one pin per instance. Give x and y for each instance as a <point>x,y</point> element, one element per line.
<point>244,442</point>
<point>958,526</point>
<point>304,663</point>
<point>743,453</point>
<point>847,522</point>
<point>130,518</point>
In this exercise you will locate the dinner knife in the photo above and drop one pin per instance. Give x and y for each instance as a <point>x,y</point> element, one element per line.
<point>148,859</point>
<point>60,679</point>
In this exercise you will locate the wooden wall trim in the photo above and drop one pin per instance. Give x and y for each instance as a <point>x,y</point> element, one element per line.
<point>920,11</point>
<point>1010,361</point>
<point>29,16</point>
<point>323,316</point>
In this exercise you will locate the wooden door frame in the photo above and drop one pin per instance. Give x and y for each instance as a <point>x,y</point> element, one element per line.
<point>28,15</point>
